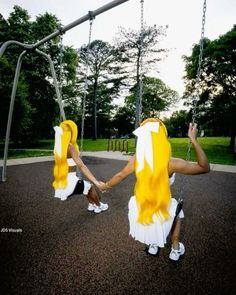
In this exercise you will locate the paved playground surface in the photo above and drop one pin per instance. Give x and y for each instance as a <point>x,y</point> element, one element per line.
<point>52,247</point>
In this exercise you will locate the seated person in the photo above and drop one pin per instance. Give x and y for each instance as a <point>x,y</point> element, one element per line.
<point>66,183</point>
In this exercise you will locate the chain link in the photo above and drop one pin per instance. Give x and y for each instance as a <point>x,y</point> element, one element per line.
<point>199,70</point>
<point>60,78</point>
<point>197,91</point>
<point>86,84</point>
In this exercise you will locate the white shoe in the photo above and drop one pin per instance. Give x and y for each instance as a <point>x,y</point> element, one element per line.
<point>97,209</point>
<point>175,254</point>
<point>153,249</point>
<point>102,207</point>
<point>91,207</point>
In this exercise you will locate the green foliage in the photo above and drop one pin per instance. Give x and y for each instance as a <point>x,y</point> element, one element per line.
<point>216,148</point>
<point>123,121</point>
<point>177,124</point>
<point>217,104</point>
<point>43,26</point>
<point>156,97</point>
<point>35,106</point>
<point>18,25</point>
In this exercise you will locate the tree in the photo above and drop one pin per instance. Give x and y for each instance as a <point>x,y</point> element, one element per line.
<point>16,27</point>
<point>104,79</point>
<point>35,106</point>
<point>218,80</point>
<point>156,97</point>
<point>124,120</point>
<point>140,50</point>
<point>68,83</point>
<point>177,124</point>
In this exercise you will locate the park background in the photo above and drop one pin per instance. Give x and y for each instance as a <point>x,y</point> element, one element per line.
<point>112,87</point>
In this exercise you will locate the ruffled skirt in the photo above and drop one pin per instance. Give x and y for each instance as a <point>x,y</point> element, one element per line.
<point>156,232</point>
<point>72,179</point>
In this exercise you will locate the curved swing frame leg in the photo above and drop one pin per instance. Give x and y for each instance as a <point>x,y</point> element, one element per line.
<point>13,96</point>
<point>11,108</point>
<point>56,85</point>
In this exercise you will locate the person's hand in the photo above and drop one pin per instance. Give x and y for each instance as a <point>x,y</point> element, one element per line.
<point>192,132</point>
<point>101,186</point>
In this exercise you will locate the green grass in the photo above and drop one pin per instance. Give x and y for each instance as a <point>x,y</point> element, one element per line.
<point>216,148</point>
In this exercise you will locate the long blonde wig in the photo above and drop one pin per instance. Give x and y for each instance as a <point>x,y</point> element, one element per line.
<point>152,188</point>
<point>66,133</point>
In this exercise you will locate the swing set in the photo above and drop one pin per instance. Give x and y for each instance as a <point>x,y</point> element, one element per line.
<point>29,48</point>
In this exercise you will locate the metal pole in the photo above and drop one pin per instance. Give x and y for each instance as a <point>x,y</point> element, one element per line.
<point>59,99</point>
<point>10,42</point>
<point>66,28</point>
<point>13,95</point>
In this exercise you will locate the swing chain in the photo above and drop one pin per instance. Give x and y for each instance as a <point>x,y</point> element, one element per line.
<point>198,79</point>
<point>86,81</point>
<point>141,60</point>
<point>199,70</point>
<point>61,52</point>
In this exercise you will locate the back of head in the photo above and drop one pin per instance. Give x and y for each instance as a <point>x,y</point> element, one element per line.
<point>65,134</point>
<point>152,188</point>
<point>71,127</point>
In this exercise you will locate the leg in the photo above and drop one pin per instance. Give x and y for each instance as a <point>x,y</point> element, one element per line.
<point>177,248</point>
<point>175,231</point>
<point>94,203</point>
<point>92,196</point>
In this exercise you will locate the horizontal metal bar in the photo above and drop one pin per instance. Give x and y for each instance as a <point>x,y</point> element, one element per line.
<point>88,16</point>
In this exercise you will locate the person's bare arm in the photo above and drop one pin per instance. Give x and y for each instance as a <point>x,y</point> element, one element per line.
<point>187,167</point>
<point>119,176</point>
<point>83,168</point>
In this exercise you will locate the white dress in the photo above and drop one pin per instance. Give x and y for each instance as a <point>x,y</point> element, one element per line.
<point>72,179</point>
<point>156,232</point>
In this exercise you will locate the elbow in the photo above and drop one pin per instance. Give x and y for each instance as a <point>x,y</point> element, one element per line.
<point>206,168</point>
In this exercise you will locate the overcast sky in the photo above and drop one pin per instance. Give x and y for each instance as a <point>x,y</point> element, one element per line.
<point>183,17</point>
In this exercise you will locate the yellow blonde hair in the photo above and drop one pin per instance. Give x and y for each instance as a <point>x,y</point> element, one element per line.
<point>60,169</point>
<point>152,188</point>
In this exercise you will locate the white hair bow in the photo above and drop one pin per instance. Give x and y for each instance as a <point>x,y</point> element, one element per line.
<point>57,145</point>
<point>144,144</point>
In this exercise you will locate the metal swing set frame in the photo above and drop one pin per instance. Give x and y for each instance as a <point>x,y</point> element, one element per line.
<point>90,16</point>
<point>34,48</point>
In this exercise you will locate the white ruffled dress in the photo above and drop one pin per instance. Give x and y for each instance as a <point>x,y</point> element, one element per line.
<point>156,232</point>
<point>72,179</point>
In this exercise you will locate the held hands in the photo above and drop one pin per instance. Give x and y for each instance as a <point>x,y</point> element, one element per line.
<point>101,186</point>
<point>192,132</point>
